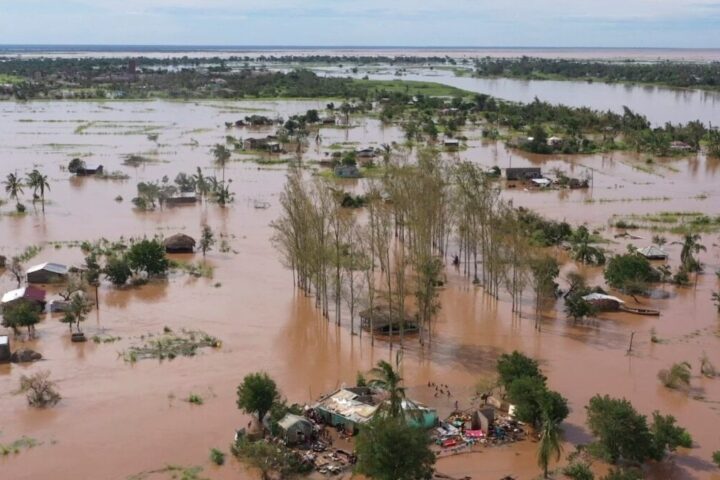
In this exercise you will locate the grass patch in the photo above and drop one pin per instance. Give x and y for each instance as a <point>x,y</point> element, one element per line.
<point>411,87</point>
<point>195,399</point>
<point>10,79</point>
<point>18,445</point>
<point>197,270</point>
<point>678,223</point>
<point>105,338</point>
<point>173,472</point>
<point>169,345</point>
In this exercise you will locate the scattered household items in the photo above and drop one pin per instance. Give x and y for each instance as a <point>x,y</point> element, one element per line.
<point>653,253</point>
<point>47,272</point>
<point>31,294</point>
<point>179,243</point>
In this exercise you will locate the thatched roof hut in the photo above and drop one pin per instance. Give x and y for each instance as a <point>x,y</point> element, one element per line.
<point>179,243</point>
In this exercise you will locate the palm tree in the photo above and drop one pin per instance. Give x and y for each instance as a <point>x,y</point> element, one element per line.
<point>38,182</point>
<point>222,155</point>
<point>691,246</point>
<point>388,379</point>
<point>550,444</point>
<point>13,187</point>
<point>202,185</point>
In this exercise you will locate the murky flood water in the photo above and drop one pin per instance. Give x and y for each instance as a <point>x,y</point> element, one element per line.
<point>118,419</point>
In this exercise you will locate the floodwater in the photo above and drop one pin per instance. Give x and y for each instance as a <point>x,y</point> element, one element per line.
<point>659,104</point>
<point>118,419</point>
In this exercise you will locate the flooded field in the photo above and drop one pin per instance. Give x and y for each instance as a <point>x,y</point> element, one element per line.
<point>119,419</point>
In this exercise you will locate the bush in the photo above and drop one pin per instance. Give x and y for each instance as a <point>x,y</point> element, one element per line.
<point>716,458</point>
<point>39,390</point>
<point>217,456</point>
<point>630,272</point>
<point>678,376</point>
<point>623,475</point>
<point>195,399</point>
<point>579,471</point>
<point>117,270</point>
<point>148,256</point>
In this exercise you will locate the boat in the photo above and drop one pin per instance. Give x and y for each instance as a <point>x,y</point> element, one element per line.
<point>640,311</point>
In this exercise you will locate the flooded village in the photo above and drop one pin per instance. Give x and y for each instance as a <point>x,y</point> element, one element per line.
<point>410,276</point>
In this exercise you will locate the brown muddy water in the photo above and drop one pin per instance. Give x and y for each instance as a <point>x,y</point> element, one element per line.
<point>118,419</point>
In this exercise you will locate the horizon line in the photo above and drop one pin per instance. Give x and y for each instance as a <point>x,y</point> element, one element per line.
<point>331,47</point>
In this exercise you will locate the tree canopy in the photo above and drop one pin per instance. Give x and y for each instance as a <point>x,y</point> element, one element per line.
<point>389,449</point>
<point>257,394</point>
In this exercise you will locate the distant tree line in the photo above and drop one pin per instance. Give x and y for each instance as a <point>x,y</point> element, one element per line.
<point>674,74</point>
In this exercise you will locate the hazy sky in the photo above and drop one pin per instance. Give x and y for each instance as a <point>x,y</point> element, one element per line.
<point>608,23</point>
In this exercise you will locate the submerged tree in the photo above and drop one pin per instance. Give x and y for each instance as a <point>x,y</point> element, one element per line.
<point>21,314</point>
<point>39,183</point>
<point>40,391</point>
<point>14,187</point>
<point>207,239</point>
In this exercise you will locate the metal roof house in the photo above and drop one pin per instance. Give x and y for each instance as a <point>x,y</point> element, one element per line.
<point>347,407</point>
<point>527,173</point>
<point>604,302</point>
<point>29,293</point>
<point>295,429</point>
<point>350,408</point>
<point>347,171</point>
<point>47,272</point>
<point>653,253</point>
<point>89,170</point>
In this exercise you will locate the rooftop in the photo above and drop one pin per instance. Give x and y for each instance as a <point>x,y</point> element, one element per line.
<point>348,404</point>
<point>50,267</point>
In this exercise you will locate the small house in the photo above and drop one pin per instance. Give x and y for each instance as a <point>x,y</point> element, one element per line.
<point>179,243</point>
<point>47,273</point>
<point>606,303</point>
<point>555,142</point>
<point>653,253</point>
<point>523,174</point>
<point>678,146</point>
<point>87,170</point>
<point>4,349</point>
<point>366,153</point>
<point>348,408</point>
<point>273,147</point>
<point>347,171</point>
<point>295,430</point>
<point>328,121</point>
<point>540,182</point>
<point>254,143</point>
<point>30,294</point>
<point>383,321</point>
<point>184,198</point>
<point>452,143</point>
<point>419,415</point>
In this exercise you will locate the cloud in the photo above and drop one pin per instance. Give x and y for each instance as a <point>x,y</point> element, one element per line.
<point>367,22</point>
